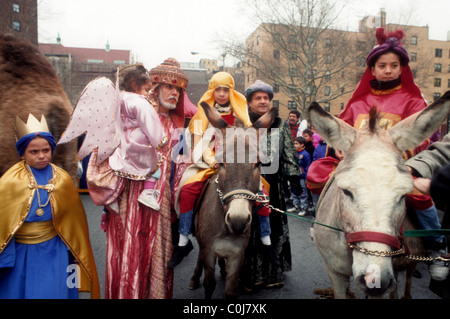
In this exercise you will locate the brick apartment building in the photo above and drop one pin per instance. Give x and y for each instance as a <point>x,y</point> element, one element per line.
<point>430,62</point>
<point>77,66</point>
<point>19,17</point>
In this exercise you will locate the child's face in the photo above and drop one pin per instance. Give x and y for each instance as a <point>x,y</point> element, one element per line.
<point>222,95</point>
<point>387,67</point>
<point>307,137</point>
<point>38,153</point>
<point>145,89</point>
<point>298,146</point>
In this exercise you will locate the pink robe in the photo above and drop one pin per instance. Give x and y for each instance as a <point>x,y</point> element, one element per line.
<point>140,135</point>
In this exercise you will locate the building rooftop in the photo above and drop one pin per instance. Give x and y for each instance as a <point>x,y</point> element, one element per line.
<point>87,55</point>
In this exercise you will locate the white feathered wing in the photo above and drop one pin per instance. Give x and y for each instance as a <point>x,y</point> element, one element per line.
<point>95,114</point>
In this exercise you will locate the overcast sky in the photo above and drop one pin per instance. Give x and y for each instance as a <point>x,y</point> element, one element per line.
<point>157,29</point>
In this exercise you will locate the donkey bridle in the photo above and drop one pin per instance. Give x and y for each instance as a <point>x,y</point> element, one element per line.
<point>395,242</point>
<point>239,193</point>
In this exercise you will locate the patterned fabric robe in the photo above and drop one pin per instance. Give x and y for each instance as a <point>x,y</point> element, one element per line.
<point>139,239</point>
<point>257,269</point>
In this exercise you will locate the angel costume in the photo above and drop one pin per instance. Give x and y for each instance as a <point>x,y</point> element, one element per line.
<point>142,136</point>
<point>139,239</point>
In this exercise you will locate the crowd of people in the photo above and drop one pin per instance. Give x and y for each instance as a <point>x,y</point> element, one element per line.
<point>310,147</point>
<point>137,183</point>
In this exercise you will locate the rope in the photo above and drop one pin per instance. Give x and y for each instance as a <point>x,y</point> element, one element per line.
<point>309,220</point>
<point>407,233</point>
<point>401,251</point>
<point>242,193</point>
<point>426,232</point>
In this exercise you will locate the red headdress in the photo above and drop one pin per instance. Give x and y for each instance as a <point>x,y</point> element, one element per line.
<point>390,42</point>
<point>170,72</point>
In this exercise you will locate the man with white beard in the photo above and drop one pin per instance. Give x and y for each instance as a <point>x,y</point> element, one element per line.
<point>139,240</point>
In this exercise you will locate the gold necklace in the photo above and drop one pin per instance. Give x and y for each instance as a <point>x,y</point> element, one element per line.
<point>49,188</point>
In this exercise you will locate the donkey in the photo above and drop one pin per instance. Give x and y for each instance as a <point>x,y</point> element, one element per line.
<point>366,196</point>
<point>224,214</point>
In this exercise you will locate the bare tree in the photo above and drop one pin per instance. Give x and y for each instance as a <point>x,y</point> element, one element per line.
<point>296,48</point>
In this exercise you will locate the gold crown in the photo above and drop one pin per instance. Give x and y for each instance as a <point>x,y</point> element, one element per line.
<point>32,126</point>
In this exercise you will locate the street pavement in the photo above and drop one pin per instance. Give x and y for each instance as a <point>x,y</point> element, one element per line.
<point>302,282</point>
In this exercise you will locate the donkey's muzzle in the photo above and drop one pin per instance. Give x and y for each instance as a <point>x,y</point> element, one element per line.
<point>238,216</point>
<point>238,224</point>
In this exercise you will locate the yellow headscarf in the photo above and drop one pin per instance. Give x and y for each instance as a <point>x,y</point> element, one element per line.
<point>238,103</point>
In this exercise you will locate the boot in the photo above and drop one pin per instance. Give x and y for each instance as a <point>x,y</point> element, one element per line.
<point>179,253</point>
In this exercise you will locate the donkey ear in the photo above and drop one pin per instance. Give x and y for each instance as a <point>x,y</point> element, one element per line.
<point>214,117</point>
<point>416,128</point>
<point>334,131</point>
<point>266,120</point>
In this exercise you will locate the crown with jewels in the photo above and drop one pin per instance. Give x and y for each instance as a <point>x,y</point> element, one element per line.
<point>33,125</point>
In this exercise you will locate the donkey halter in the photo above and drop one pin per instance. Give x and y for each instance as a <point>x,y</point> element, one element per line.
<point>396,243</point>
<point>240,193</point>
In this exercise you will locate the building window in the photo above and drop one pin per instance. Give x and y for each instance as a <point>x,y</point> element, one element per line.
<point>414,40</point>
<point>413,57</point>
<point>342,106</point>
<point>327,75</point>
<point>327,107</point>
<point>437,82</point>
<point>293,71</point>
<point>16,7</point>
<point>437,67</point>
<point>292,105</point>
<point>292,39</point>
<point>311,74</point>
<point>275,103</point>
<point>16,26</point>
<point>436,95</point>
<point>293,56</point>
<point>448,84</point>
<point>438,53</point>
<point>276,71</point>
<point>449,68</point>
<point>276,88</point>
<point>361,45</point>
<point>328,59</point>
<point>311,41</point>
<point>327,91</point>
<point>276,54</point>
<point>94,61</point>
<point>327,42</point>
